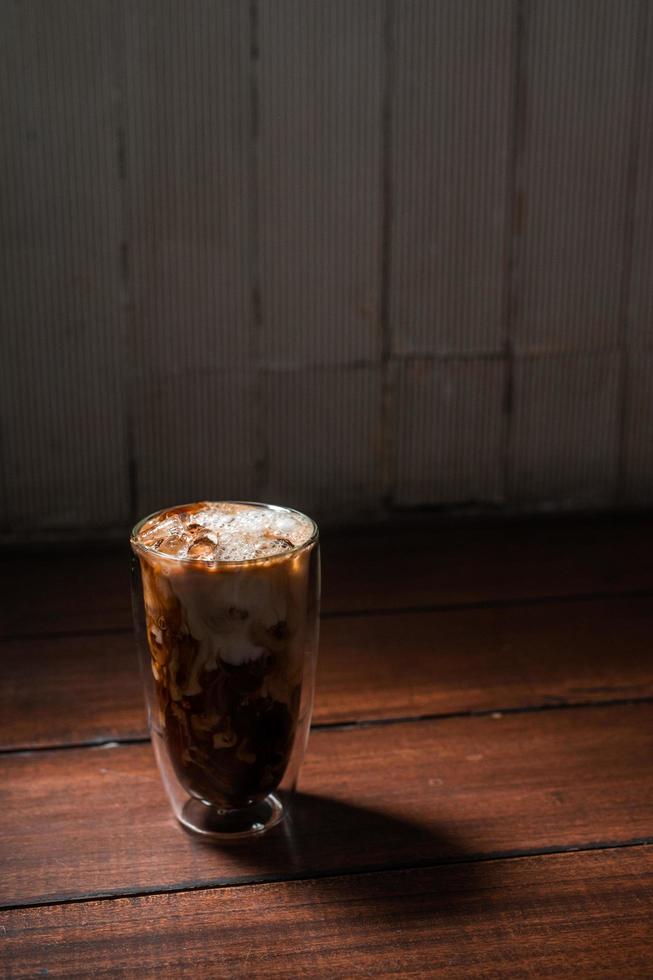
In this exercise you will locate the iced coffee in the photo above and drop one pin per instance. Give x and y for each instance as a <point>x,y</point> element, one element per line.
<point>229,603</point>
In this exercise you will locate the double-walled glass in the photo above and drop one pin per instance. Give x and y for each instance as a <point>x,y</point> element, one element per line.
<point>229,728</point>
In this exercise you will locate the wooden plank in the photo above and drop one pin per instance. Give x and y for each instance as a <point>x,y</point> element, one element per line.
<point>564,440</point>
<point>84,822</point>
<point>319,167</point>
<point>560,915</point>
<point>62,404</point>
<point>450,120</point>
<point>578,90</point>
<point>409,665</point>
<point>322,430</point>
<point>64,690</point>
<point>390,567</point>
<point>70,590</point>
<point>448,446</point>
<point>188,119</point>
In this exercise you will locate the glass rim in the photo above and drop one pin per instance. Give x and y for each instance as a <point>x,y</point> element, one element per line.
<point>139,547</point>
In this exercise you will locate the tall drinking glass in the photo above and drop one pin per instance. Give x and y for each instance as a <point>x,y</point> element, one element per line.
<point>226,601</point>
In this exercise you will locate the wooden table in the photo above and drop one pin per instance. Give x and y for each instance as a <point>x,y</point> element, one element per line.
<point>477,799</point>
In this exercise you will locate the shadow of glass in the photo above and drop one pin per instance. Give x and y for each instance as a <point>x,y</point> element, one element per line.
<point>342,847</point>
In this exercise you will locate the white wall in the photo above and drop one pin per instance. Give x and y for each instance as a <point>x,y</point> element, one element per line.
<point>347,255</point>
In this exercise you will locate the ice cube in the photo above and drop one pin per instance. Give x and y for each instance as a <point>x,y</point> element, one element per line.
<point>175,544</point>
<point>203,546</point>
<point>161,529</point>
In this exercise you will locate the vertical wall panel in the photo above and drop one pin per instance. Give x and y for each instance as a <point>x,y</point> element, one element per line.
<point>319,145</point>
<point>187,93</point>
<point>578,110</point>
<point>565,438</point>
<point>641,288</point>
<point>451,116</point>
<point>60,300</point>
<point>639,428</point>
<point>324,439</point>
<point>449,431</point>
<point>201,447</point>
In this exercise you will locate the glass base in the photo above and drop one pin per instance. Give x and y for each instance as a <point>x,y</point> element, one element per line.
<point>224,825</point>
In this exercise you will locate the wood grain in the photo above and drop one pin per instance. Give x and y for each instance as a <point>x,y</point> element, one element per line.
<point>412,664</point>
<point>82,823</point>
<point>381,568</point>
<point>568,915</point>
<point>74,590</point>
<point>61,690</point>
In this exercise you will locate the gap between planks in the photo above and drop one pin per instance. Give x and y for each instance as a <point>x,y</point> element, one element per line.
<point>354,724</point>
<point>217,885</point>
<point>447,607</point>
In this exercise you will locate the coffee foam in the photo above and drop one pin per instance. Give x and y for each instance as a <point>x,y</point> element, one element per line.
<point>209,532</point>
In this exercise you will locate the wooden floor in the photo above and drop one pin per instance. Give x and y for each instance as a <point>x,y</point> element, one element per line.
<point>477,798</point>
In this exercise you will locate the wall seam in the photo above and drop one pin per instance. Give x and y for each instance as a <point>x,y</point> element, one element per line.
<point>262,460</point>
<point>620,491</point>
<point>387,439</point>
<point>515,213</point>
<point>127,306</point>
